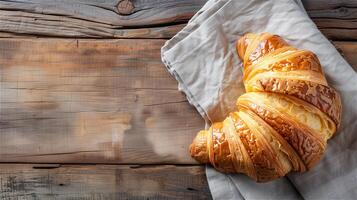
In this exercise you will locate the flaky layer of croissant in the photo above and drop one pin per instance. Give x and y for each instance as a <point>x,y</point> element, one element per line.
<point>284,120</point>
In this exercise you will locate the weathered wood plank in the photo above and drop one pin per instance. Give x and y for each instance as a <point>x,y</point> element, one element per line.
<point>145,19</point>
<point>29,24</point>
<point>88,101</point>
<point>327,4</point>
<point>335,19</point>
<point>102,182</point>
<point>348,51</point>
<point>141,13</point>
<point>97,19</point>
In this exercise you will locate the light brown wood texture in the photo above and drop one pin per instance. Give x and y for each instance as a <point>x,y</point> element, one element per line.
<point>349,51</point>
<point>89,101</point>
<point>151,19</point>
<point>102,182</point>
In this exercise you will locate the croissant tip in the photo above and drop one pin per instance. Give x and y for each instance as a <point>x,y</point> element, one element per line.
<point>198,148</point>
<point>241,43</point>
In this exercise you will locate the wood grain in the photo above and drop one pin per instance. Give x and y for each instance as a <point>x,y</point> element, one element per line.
<point>96,18</point>
<point>102,182</point>
<point>141,18</point>
<point>327,4</point>
<point>89,101</point>
<point>336,19</point>
<point>349,51</point>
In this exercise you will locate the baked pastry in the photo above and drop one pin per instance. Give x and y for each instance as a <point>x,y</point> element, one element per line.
<point>283,120</point>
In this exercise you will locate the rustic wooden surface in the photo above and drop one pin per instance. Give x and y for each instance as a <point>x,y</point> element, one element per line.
<point>90,101</point>
<point>116,18</point>
<point>349,51</point>
<point>96,18</point>
<point>102,182</point>
<point>83,97</point>
<point>335,18</point>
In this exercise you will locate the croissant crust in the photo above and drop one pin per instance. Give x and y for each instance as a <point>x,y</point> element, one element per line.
<point>284,120</point>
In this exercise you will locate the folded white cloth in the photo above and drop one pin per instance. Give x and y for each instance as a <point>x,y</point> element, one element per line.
<point>203,59</point>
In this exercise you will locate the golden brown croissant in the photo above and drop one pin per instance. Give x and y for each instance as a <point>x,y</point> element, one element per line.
<point>284,120</point>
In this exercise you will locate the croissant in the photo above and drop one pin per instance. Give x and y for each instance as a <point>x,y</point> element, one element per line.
<point>283,120</point>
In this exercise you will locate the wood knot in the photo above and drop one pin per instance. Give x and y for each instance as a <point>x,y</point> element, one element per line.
<point>343,11</point>
<point>125,7</point>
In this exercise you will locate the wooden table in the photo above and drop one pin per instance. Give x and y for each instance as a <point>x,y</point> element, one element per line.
<point>87,109</point>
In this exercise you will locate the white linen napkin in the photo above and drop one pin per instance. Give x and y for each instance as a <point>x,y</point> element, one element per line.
<point>203,59</point>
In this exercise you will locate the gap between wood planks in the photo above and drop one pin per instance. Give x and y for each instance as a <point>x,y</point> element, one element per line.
<point>52,165</point>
